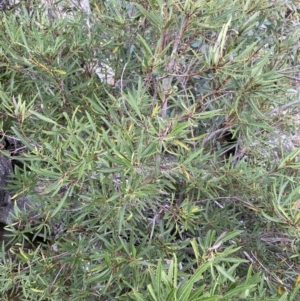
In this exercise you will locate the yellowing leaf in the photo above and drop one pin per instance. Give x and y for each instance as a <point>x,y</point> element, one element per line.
<point>129,217</point>
<point>24,255</point>
<point>155,110</point>
<point>197,138</point>
<point>296,205</point>
<point>297,281</point>
<point>59,71</point>
<point>97,7</point>
<point>195,248</point>
<point>40,65</point>
<point>297,217</point>
<point>253,208</point>
<point>116,49</point>
<point>195,209</point>
<point>187,175</point>
<point>36,291</point>
<point>181,144</point>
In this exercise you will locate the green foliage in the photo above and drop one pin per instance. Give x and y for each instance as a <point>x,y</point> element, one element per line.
<point>124,117</point>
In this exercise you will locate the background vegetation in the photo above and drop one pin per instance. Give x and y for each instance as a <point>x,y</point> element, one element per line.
<point>153,147</point>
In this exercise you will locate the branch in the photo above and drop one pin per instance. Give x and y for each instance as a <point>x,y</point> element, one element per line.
<point>284,107</point>
<point>213,134</point>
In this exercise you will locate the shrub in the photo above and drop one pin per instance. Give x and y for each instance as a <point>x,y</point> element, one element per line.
<point>139,123</point>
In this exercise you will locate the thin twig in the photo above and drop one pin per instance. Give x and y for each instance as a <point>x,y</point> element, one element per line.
<point>152,230</point>
<point>213,134</point>
<point>284,107</point>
